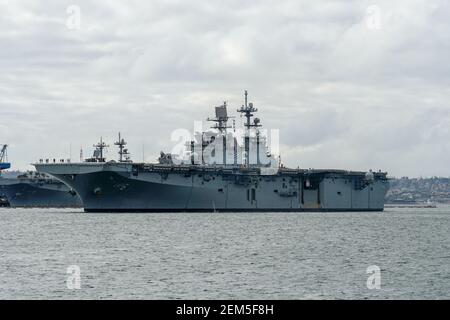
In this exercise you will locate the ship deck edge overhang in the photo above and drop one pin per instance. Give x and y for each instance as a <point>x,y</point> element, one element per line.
<point>80,168</point>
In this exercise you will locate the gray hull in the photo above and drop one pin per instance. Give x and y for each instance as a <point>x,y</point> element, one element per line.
<point>119,187</point>
<point>21,193</point>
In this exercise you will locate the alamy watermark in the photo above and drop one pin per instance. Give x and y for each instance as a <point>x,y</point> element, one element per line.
<point>374,280</point>
<point>73,281</point>
<point>373,18</point>
<point>237,146</point>
<point>73,21</point>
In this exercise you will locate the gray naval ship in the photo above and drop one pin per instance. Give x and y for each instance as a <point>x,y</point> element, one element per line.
<point>37,190</point>
<point>33,189</point>
<point>217,171</point>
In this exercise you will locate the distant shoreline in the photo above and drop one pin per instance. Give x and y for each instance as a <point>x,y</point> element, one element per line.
<point>412,205</point>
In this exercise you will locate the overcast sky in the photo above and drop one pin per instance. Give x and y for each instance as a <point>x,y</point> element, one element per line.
<point>350,84</point>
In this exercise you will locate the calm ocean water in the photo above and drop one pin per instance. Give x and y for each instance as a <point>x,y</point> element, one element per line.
<point>225,255</point>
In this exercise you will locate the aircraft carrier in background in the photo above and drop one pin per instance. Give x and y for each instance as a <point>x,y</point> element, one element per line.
<point>217,172</point>
<point>34,190</point>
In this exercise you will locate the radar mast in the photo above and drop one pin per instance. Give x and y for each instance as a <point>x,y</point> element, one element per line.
<point>221,120</point>
<point>124,155</point>
<point>98,153</point>
<point>247,110</point>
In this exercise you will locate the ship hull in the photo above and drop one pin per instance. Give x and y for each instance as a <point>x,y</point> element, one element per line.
<point>136,188</point>
<point>149,210</point>
<point>24,194</point>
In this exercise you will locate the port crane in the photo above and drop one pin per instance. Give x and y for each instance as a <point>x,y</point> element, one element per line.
<point>4,164</point>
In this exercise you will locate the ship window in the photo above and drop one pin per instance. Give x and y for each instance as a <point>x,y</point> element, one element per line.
<point>276,190</point>
<point>339,193</point>
<point>248,195</point>
<point>253,194</point>
<point>220,190</point>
